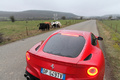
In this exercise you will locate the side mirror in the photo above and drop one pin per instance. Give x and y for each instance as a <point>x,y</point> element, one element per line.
<point>100,38</point>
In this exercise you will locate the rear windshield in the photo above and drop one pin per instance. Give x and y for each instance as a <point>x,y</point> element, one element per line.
<point>63,45</point>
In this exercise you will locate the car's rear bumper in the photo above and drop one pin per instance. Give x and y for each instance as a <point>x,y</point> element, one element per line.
<point>35,78</point>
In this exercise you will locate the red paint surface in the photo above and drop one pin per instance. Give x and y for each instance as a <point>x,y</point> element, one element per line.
<point>74,68</point>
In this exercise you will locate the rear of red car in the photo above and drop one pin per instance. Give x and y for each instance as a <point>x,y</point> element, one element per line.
<point>48,61</point>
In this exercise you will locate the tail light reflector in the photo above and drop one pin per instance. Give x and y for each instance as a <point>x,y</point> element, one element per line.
<point>27,56</point>
<point>92,71</point>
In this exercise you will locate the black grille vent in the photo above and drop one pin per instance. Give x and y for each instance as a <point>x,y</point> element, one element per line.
<point>88,57</point>
<point>37,47</point>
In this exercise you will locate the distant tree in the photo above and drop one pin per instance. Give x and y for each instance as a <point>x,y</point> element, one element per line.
<point>110,17</point>
<point>63,17</point>
<point>81,17</point>
<point>118,17</point>
<point>12,18</point>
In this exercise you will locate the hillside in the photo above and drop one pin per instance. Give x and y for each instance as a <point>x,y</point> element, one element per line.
<point>35,14</point>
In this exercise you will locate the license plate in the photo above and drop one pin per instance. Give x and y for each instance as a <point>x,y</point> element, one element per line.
<point>53,73</point>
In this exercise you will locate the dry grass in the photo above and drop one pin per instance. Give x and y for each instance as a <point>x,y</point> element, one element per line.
<point>112,48</point>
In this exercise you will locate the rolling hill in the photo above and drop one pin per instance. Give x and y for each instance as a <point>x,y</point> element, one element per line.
<point>35,14</point>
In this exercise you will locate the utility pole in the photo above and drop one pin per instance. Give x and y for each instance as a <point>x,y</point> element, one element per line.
<point>55,16</point>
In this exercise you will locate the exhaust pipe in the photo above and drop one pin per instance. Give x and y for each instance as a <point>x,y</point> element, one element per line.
<point>27,77</point>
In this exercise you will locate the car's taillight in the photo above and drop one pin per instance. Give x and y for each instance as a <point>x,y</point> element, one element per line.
<point>92,71</point>
<point>27,56</point>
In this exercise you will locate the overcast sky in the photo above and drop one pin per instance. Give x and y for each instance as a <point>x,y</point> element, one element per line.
<point>78,7</point>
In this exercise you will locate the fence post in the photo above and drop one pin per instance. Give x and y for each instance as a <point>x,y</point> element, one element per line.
<point>26,31</point>
<point>116,28</point>
<point>111,25</point>
<point>70,22</point>
<point>66,22</point>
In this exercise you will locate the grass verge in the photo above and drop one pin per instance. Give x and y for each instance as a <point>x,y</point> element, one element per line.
<point>112,49</point>
<point>114,24</point>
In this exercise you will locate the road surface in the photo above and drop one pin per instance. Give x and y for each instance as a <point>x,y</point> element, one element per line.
<point>12,56</point>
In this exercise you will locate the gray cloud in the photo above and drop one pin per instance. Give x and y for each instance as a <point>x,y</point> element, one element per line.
<point>79,7</point>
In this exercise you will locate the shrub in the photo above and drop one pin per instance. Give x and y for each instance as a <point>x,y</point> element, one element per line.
<point>12,18</point>
<point>1,38</point>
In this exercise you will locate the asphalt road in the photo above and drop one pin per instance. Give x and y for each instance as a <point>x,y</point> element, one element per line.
<point>12,56</point>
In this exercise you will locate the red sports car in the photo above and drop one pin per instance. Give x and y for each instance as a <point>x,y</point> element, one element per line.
<point>66,55</point>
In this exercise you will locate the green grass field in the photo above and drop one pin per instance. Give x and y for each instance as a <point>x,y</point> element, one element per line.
<point>112,46</point>
<point>114,24</point>
<point>17,30</point>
